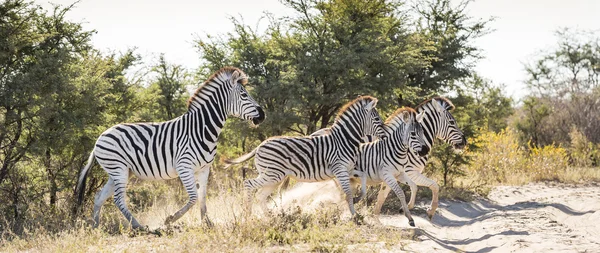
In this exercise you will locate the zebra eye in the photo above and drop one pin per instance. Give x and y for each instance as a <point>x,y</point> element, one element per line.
<point>413,133</point>
<point>244,95</point>
<point>452,122</point>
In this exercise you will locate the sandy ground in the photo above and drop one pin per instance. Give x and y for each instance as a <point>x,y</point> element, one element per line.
<point>541,217</point>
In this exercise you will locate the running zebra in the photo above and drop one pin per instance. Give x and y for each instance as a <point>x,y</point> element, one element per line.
<point>437,122</point>
<point>383,160</point>
<point>184,147</point>
<point>311,159</point>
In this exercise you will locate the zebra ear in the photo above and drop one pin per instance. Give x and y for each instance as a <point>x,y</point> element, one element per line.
<point>371,105</point>
<point>438,107</point>
<point>420,116</point>
<point>405,117</point>
<point>239,77</point>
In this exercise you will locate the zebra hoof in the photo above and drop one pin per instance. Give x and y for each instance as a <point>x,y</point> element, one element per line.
<point>358,219</point>
<point>430,214</point>
<point>169,220</point>
<point>157,232</point>
<point>411,223</point>
<point>208,223</point>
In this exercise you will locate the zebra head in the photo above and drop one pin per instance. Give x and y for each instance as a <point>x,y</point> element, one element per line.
<point>240,104</point>
<point>405,127</point>
<point>373,125</point>
<point>448,130</point>
<point>417,138</point>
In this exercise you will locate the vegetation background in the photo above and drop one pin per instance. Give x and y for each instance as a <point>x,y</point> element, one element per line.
<point>58,93</point>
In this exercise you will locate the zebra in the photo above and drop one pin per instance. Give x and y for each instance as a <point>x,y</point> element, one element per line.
<point>184,147</point>
<point>383,160</point>
<point>437,122</point>
<point>312,159</point>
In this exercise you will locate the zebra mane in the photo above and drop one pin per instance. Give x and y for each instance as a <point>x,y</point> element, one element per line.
<point>395,120</point>
<point>444,102</point>
<point>224,70</point>
<point>361,99</point>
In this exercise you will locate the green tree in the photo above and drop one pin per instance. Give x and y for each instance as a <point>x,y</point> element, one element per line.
<point>304,67</point>
<point>170,87</point>
<point>451,31</point>
<point>36,49</point>
<point>57,94</point>
<point>531,126</point>
<point>122,97</point>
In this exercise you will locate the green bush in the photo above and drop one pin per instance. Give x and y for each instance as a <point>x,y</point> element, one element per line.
<point>501,160</point>
<point>582,152</point>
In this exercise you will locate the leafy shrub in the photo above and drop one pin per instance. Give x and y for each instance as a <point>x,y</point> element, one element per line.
<point>501,159</point>
<point>547,163</point>
<point>582,152</point>
<point>499,155</point>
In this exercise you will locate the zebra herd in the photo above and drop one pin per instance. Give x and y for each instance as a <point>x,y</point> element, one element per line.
<point>357,149</point>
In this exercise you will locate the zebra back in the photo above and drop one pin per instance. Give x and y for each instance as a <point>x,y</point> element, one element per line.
<point>405,133</point>
<point>309,157</point>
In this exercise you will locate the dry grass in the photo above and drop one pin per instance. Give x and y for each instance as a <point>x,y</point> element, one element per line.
<point>502,161</point>
<point>324,230</point>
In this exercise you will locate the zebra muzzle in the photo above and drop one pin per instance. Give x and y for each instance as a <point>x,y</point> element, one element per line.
<point>462,144</point>
<point>424,151</point>
<point>261,116</point>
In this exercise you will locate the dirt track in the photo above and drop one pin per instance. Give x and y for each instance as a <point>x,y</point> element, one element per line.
<point>543,217</point>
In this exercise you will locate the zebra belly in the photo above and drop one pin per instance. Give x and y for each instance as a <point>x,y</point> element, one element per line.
<point>155,174</point>
<point>317,179</point>
<point>327,175</point>
<point>375,177</point>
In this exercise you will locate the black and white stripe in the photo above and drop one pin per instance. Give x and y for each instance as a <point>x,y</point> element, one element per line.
<point>312,159</point>
<point>383,160</point>
<point>439,123</point>
<point>184,147</point>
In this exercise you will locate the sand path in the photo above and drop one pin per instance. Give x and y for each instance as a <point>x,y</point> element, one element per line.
<point>541,217</point>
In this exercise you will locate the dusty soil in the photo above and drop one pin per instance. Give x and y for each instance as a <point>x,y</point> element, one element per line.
<point>541,217</point>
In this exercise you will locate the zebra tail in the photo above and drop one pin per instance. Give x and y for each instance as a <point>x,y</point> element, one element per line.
<point>285,184</point>
<point>80,189</point>
<point>240,159</point>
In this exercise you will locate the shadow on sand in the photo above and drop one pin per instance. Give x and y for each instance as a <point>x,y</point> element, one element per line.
<point>468,213</point>
<point>481,210</point>
<point>450,244</point>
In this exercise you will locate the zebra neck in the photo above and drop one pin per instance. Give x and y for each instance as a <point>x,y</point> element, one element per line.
<point>210,98</point>
<point>206,118</point>
<point>430,124</point>
<point>211,105</point>
<point>395,145</point>
<point>343,132</point>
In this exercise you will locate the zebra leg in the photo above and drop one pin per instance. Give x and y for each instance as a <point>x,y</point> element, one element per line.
<point>189,182</point>
<point>383,193</point>
<point>363,185</point>
<point>250,185</point>
<point>341,173</point>
<point>120,184</point>
<point>421,180</point>
<point>267,183</point>
<point>264,194</point>
<point>107,191</point>
<point>413,189</point>
<point>392,183</point>
<point>201,184</point>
